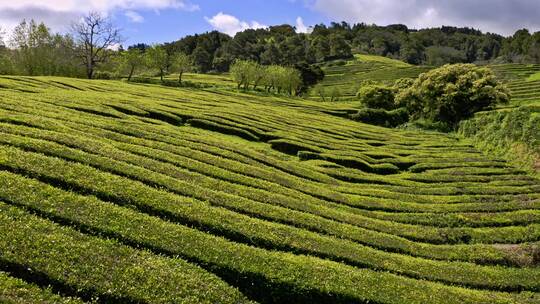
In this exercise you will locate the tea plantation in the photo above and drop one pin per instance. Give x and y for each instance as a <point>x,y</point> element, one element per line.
<point>344,78</point>
<point>135,193</point>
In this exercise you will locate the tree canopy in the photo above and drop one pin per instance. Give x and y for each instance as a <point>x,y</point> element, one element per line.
<point>452,93</point>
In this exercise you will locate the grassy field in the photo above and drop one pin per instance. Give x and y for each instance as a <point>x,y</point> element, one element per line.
<point>133,193</point>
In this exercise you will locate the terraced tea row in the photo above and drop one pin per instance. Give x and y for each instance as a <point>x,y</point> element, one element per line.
<point>261,193</point>
<point>344,80</point>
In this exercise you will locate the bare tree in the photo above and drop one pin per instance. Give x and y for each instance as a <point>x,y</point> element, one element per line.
<point>95,35</point>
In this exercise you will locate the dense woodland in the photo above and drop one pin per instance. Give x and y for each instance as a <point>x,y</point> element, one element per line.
<point>33,49</point>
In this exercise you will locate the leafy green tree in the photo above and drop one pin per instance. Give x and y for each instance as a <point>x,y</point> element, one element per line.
<point>33,44</point>
<point>291,80</point>
<point>321,48</point>
<point>180,64</point>
<point>452,93</point>
<point>240,73</point>
<point>377,96</point>
<point>272,77</point>
<point>256,73</point>
<point>271,55</point>
<point>309,74</point>
<point>339,48</point>
<point>412,51</point>
<point>156,58</point>
<point>132,59</point>
<point>438,56</point>
<point>203,59</point>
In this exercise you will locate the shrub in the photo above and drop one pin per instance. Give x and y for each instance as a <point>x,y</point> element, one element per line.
<point>382,117</point>
<point>452,93</point>
<point>403,83</point>
<point>377,96</point>
<point>105,75</point>
<point>512,134</point>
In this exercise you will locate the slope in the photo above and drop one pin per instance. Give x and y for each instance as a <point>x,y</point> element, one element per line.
<point>115,192</point>
<point>343,78</point>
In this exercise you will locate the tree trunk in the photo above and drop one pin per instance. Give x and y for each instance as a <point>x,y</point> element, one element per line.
<point>131,72</point>
<point>180,77</point>
<point>161,74</point>
<point>90,73</point>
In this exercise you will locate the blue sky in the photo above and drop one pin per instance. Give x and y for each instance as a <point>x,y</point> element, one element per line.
<point>171,24</point>
<point>155,21</point>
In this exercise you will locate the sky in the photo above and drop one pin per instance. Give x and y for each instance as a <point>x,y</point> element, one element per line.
<point>156,21</point>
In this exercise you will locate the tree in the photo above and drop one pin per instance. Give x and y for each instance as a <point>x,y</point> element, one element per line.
<point>321,48</point>
<point>157,58</point>
<point>309,74</point>
<point>452,93</point>
<point>132,59</point>
<point>339,48</point>
<point>95,35</point>
<point>438,56</point>
<point>290,80</point>
<point>377,96</point>
<point>202,59</point>
<point>33,44</point>
<point>240,72</point>
<point>180,64</point>
<point>256,74</point>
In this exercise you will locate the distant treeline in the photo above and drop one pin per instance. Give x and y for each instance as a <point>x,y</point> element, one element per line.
<point>281,45</point>
<point>32,49</point>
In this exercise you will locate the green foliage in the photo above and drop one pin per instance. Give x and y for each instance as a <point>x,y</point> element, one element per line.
<point>240,72</point>
<point>403,83</point>
<point>310,75</point>
<point>382,117</point>
<point>157,58</point>
<point>377,96</point>
<point>105,75</point>
<point>513,134</point>
<point>438,56</point>
<point>37,51</point>
<point>452,93</point>
<point>180,63</point>
<point>131,60</point>
<point>248,73</point>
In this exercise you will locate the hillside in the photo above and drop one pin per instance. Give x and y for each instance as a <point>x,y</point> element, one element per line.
<point>512,131</point>
<point>138,193</point>
<point>343,78</point>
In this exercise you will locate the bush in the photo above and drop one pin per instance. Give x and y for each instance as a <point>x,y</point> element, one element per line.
<point>105,75</point>
<point>377,96</point>
<point>452,93</point>
<point>382,117</point>
<point>403,83</point>
<point>513,134</point>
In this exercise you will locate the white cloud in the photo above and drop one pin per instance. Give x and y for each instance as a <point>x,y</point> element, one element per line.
<point>500,16</point>
<point>301,27</point>
<point>96,5</point>
<point>134,16</point>
<point>231,25</point>
<point>58,14</point>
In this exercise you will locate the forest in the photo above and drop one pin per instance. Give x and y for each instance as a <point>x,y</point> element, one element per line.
<point>32,48</point>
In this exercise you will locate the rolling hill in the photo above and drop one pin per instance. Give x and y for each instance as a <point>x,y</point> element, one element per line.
<point>343,78</point>
<point>113,192</point>
<point>512,131</point>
